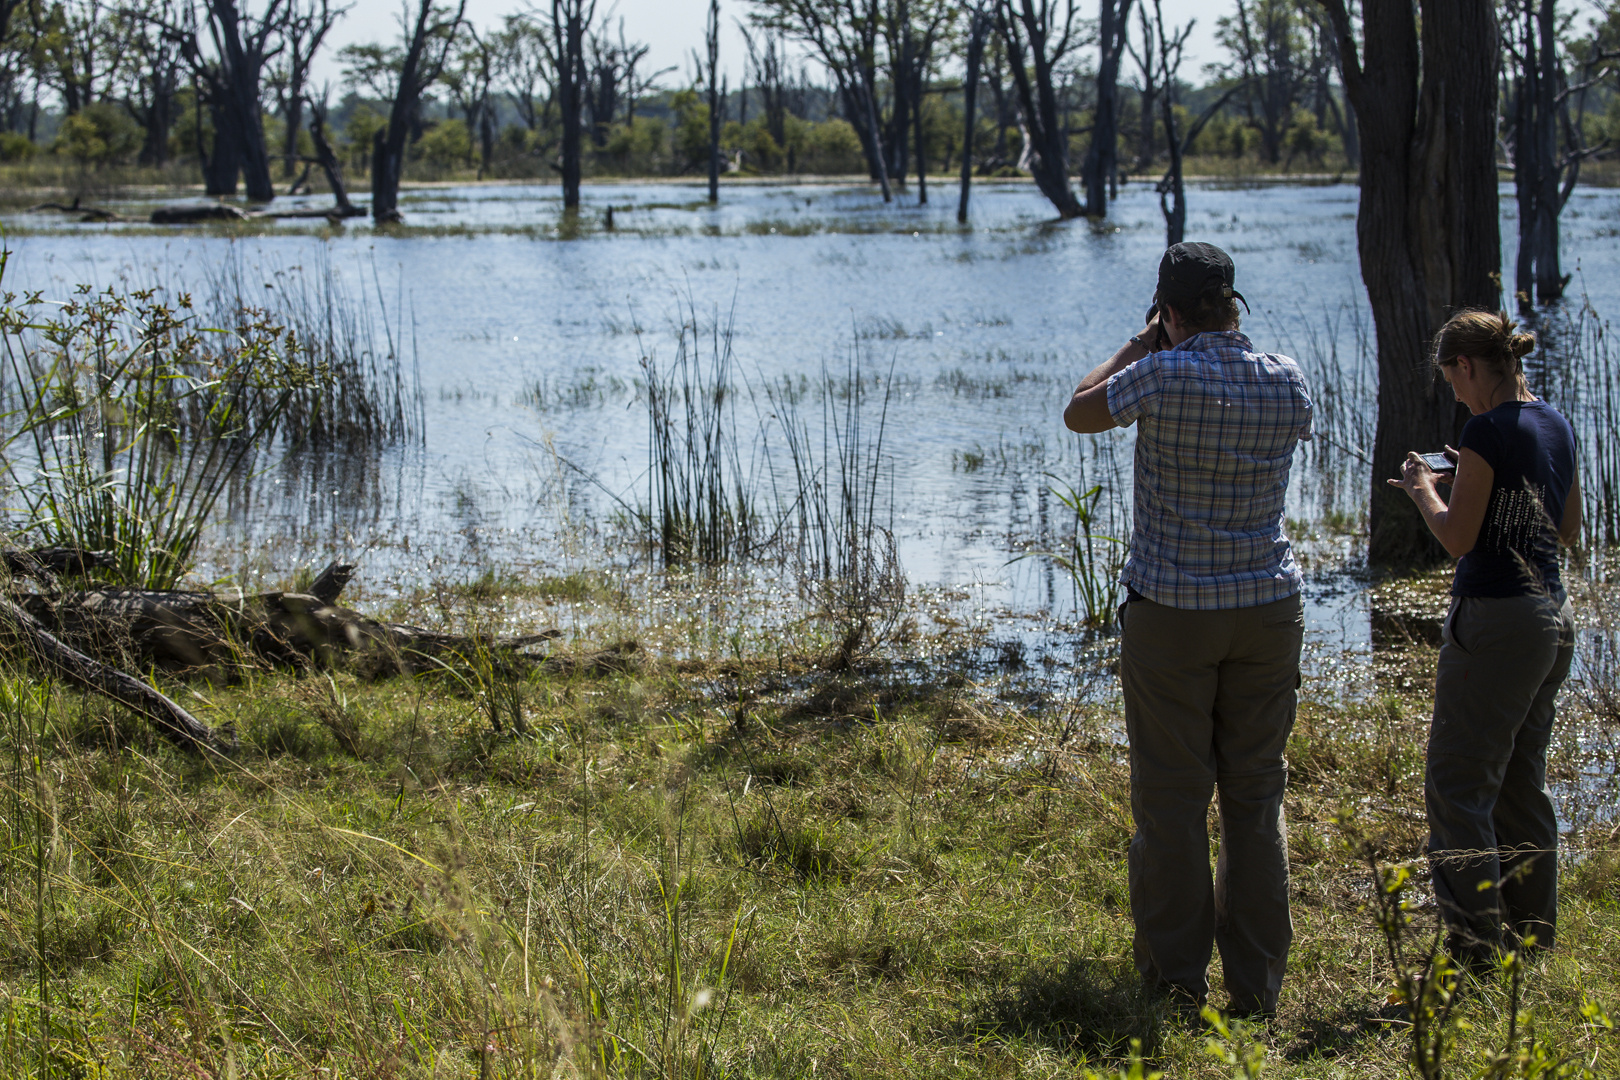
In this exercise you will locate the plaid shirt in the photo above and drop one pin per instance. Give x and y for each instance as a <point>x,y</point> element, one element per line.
<point>1218,424</point>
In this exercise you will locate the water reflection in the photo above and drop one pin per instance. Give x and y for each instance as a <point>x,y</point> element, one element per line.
<point>529,352</point>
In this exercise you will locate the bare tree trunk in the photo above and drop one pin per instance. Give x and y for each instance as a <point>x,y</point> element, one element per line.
<point>329,161</point>
<point>1035,45</point>
<point>1172,191</point>
<point>1427,228</point>
<point>712,44</point>
<point>869,92</point>
<point>224,160</point>
<point>970,96</point>
<point>1102,157</point>
<point>569,21</point>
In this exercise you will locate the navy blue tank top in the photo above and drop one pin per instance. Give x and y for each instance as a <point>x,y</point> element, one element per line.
<point>1530,448</point>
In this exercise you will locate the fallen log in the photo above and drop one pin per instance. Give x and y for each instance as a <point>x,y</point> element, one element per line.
<point>330,213</point>
<point>87,213</point>
<point>205,633</point>
<point>197,213</point>
<point>173,722</point>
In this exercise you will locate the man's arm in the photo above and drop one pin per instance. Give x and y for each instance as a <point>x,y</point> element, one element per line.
<point>1087,411</point>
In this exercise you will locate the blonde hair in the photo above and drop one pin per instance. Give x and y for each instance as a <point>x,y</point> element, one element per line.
<point>1485,337</point>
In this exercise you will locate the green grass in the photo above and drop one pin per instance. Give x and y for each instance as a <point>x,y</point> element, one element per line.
<point>735,866</point>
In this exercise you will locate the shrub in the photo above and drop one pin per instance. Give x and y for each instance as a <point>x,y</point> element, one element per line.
<point>15,147</point>
<point>833,146</point>
<point>128,421</point>
<point>446,144</point>
<point>98,134</point>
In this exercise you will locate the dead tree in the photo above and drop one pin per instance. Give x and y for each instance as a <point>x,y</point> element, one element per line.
<point>429,37</point>
<point>327,159</point>
<point>978,30</point>
<point>306,28</point>
<point>1101,163</point>
<point>1546,142</point>
<point>227,71</point>
<point>570,19</point>
<point>709,69</point>
<point>1038,35</point>
<point>1427,228</point>
<point>765,70</point>
<point>843,35</point>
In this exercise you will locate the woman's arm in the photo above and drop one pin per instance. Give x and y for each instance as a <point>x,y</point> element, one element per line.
<point>1455,524</point>
<point>1569,530</point>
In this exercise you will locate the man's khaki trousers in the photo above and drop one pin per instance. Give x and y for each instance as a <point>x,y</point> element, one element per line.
<point>1209,703</point>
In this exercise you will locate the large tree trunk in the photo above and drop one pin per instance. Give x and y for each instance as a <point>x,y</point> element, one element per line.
<point>570,82</point>
<point>1427,227</point>
<point>1102,157</point>
<point>224,161</point>
<point>970,98</point>
<point>1047,143</point>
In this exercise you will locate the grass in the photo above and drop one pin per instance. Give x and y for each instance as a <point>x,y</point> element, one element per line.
<point>735,865</point>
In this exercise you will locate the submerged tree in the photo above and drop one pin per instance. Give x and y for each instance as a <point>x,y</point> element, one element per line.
<point>1038,35</point>
<point>1427,228</point>
<point>978,31</point>
<point>570,19</point>
<point>408,70</point>
<point>1101,163</point>
<point>1546,141</point>
<point>709,70</point>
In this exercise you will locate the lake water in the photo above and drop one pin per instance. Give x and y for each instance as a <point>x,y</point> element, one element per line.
<point>522,326</point>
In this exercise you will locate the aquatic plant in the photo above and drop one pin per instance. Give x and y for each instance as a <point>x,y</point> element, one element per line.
<point>700,502</point>
<point>836,522</point>
<point>126,419</point>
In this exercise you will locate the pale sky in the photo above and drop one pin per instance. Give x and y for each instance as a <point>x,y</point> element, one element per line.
<point>673,28</point>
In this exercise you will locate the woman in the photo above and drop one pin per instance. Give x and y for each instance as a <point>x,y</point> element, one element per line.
<point>1505,646</point>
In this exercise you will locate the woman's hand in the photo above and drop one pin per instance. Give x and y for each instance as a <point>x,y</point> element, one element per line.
<point>1455,523</point>
<point>1416,476</point>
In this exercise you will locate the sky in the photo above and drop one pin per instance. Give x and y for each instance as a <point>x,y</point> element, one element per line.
<point>674,28</point>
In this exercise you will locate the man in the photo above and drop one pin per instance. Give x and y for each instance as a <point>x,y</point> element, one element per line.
<point>1213,623</point>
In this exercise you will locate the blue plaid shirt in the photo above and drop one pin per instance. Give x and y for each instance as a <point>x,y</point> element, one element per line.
<point>1217,423</point>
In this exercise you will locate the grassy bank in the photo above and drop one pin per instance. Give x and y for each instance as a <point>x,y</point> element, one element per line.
<point>737,863</point>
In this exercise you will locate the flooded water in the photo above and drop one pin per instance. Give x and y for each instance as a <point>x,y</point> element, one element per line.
<point>527,331</point>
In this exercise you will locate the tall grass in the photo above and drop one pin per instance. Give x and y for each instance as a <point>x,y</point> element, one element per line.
<point>700,502</point>
<point>837,518</point>
<point>126,419</point>
<point>1573,367</point>
<point>368,398</point>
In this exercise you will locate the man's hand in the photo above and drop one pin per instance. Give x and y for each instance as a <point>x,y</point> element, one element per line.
<point>1087,411</point>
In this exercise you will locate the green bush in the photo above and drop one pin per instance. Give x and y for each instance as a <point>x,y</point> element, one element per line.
<point>98,134</point>
<point>446,144</point>
<point>833,147</point>
<point>15,147</point>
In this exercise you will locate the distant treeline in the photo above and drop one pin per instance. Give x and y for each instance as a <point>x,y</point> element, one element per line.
<point>221,90</point>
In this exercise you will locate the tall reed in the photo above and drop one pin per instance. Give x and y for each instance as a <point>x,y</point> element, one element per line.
<point>700,502</point>
<point>369,397</point>
<point>837,518</point>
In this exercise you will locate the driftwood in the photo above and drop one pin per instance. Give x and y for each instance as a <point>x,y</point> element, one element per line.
<point>86,213</point>
<point>203,212</point>
<point>196,213</point>
<point>206,633</point>
<point>172,721</point>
